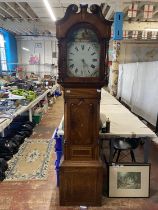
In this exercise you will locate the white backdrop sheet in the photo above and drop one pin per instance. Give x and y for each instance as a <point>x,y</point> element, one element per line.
<point>138,87</point>
<point>126,80</point>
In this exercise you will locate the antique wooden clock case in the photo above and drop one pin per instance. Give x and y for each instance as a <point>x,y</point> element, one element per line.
<point>83,39</point>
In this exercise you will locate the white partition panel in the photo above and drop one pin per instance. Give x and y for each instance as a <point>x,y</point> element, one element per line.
<point>145,92</point>
<point>138,87</point>
<point>127,73</point>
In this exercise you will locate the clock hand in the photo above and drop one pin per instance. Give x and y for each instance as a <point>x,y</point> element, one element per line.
<point>82,71</point>
<point>85,67</point>
<point>84,63</point>
<point>94,74</point>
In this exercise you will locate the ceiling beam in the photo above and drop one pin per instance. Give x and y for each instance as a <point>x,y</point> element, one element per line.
<point>20,11</point>
<point>105,9</point>
<point>155,13</point>
<point>155,10</point>
<point>110,13</point>
<point>2,17</point>
<point>11,6</point>
<point>125,13</point>
<point>22,7</point>
<point>140,12</point>
<point>31,11</point>
<point>138,26</point>
<point>5,13</point>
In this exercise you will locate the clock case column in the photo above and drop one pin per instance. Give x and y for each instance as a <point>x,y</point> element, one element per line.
<point>81,171</point>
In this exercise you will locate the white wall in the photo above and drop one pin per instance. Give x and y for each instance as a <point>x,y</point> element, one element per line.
<point>44,48</point>
<point>138,51</point>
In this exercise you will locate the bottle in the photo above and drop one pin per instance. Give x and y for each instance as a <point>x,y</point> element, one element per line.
<point>108,126</point>
<point>103,130</point>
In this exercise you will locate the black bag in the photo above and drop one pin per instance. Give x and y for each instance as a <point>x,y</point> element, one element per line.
<point>3,165</point>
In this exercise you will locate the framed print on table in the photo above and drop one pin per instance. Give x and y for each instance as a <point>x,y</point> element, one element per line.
<point>129,180</point>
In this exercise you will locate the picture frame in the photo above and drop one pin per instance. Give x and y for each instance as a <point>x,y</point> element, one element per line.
<point>129,180</point>
<point>38,45</point>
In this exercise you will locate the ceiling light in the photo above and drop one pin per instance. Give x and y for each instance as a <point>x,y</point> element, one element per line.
<point>49,9</point>
<point>151,29</point>
<point>25,49</point>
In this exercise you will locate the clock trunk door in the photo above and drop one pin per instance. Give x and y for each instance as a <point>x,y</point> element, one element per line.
<point>82,126</point>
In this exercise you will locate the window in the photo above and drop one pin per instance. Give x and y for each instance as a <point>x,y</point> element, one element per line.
<point>2,54</point>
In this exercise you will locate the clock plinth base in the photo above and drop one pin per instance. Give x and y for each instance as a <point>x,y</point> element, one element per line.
<point>81,183</point>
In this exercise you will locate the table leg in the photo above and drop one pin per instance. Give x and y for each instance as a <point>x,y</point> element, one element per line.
<point>111,151</point>
<point>30,115</point>
<point>146,149</point>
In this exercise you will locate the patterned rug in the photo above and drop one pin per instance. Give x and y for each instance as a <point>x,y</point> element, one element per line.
<point>31,162</point>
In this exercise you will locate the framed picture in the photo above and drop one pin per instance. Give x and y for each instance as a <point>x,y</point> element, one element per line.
<point>38,45</point>
<point>129,180</point>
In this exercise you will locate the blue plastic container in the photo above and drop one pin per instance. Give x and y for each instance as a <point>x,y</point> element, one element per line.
<point>58,144</point>
<point>57,175</point>
<point>58,155</point>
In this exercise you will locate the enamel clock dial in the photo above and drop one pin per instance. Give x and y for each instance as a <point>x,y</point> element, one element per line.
<point>83,54</point>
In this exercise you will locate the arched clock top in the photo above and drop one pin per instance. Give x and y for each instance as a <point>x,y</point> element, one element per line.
<point>74,17</point>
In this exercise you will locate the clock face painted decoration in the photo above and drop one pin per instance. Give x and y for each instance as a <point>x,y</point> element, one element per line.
<point>83,54</point>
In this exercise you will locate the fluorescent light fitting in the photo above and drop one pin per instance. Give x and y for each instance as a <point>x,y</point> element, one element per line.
<point>25,49</point>
<point>151,29</point>
<point>49,10</point>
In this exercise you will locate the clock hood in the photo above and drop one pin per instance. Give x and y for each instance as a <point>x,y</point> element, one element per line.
<point>73,17</point>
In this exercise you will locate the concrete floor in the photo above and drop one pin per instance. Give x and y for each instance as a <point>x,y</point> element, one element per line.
<point>43,195</point>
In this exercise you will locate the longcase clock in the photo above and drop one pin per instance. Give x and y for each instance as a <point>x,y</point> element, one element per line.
<point>83,39</point>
